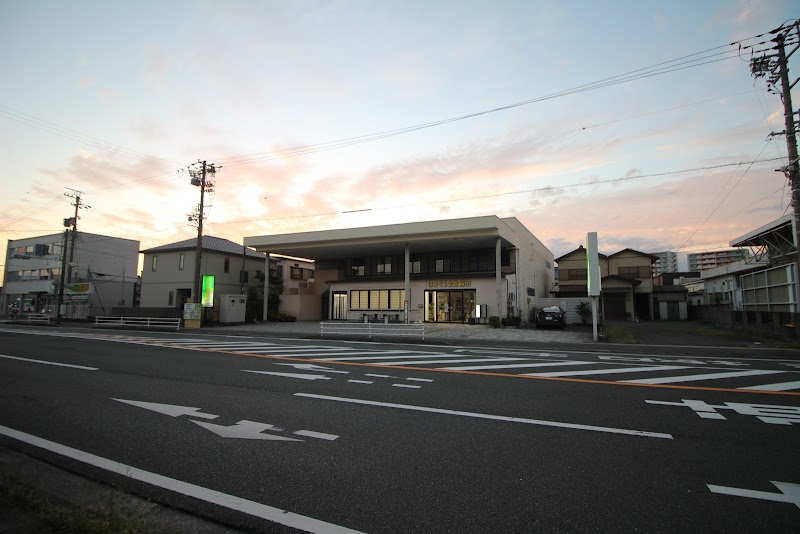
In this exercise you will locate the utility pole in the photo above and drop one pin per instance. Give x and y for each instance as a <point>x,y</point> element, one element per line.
<point>200,173</point>
<point>66,268</point>
<point>775,68</point>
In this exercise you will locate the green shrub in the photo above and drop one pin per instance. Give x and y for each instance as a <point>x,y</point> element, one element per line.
<point>584,310</point>
<point>494,321</point>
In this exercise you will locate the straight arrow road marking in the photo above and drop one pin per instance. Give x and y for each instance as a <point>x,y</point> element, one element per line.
<point>313,367</point>
<point>290,375</point>
<point>245,430</point>
<point>573,426</point>
<point>789,493</point>
<point>169,409</point>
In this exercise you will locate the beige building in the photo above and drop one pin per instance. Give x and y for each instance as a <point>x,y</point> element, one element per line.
<point>437,271</point>
<point>168,270</point>
<point>627,281</point>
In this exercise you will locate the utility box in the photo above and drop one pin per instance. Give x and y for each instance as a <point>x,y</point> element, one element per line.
<point>232,308</point>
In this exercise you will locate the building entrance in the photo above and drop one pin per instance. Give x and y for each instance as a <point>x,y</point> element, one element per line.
<point>449,306</point>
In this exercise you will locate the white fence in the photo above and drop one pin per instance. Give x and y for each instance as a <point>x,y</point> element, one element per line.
<point>372,329</point>
<point>147,322</point>
<point>39,318</point>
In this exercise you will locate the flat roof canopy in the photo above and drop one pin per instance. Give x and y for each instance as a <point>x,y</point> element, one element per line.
<point>456,234</point>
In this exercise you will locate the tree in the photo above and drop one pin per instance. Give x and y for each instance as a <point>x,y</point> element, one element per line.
<point>584,310</point>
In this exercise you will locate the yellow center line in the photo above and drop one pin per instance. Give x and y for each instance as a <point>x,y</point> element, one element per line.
<point>484,373</point>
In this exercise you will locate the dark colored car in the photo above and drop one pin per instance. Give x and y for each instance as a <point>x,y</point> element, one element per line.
<point>555,316</point>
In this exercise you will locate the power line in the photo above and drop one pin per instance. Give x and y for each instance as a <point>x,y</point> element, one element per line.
<point>520,192</point>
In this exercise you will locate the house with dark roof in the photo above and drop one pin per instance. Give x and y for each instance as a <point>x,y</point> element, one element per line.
<point>168,270</point>
<point>626,280</point>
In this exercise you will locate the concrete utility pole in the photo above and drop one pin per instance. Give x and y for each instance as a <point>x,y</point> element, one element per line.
<point>66,268</point>
<point>200,178</point>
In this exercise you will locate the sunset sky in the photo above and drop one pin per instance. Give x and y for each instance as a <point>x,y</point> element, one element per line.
<point>313,109</point>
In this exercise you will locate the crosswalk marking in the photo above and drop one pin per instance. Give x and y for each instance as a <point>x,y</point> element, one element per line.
<point>782,386</point>
<point>612,371</point>
<point>514,366</point>
<point>711,376</point>
<point>422,362</point>
<point>395,357</point>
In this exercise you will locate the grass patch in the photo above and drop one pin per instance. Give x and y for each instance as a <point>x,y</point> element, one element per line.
<point>35,512</point>
<point>618,334</point>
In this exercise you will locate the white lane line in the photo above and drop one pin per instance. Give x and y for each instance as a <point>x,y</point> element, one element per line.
<point>692,378</point>
<point>488,416</point>
<point>386,357</point>
<point>290,352</point>
<point>419,362</point>
<point>419,379</point>
<point>612,371</point>
<point>515,366</point>
<point>318,435</point>
<point>405,386</point>
<point>361,381</point>
<point>380,376</point>
<point>789,492</point>
<point>255,509</point>
<point>782,386</point>
<point>49,363</point>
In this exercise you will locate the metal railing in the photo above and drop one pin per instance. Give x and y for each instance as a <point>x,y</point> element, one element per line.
<point>372,329</point>
<point>147,322</point>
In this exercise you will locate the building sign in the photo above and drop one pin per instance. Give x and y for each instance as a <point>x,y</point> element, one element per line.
<point>77,289</point>
<point>450,283</point>
<point>207,291</point>
<point>191,312</point>
<point>592,265</point>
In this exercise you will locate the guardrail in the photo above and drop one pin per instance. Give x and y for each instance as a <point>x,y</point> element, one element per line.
<point>39,318</point>
<point>147,322</point>
<point>372,329</point>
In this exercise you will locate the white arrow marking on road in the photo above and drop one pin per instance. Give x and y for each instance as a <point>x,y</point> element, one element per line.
<point>312,367</point>
<point>245,430</point>
<point>169,409</point>
<point>789,492</point>
<point>290,375</point>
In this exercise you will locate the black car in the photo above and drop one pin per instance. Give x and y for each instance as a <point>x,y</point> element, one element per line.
<point>555,316</point>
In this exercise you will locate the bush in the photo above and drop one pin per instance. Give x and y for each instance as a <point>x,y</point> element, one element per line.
<point>584,310</point>
<point>280,318</point>
<point>494,321</point>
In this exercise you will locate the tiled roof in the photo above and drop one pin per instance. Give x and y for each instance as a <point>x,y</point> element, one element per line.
<point>210,244</point>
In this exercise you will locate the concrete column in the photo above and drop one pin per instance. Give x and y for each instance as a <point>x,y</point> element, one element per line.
<point>266,288</point>
<point>498,277</point>
<point>408,281</point>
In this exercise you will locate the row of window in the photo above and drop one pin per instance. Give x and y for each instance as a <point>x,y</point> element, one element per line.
<point>640,271</point>
<point>33,274</point>
<point>377,299</point>
<point>462,261</point>
<point>41,249</point>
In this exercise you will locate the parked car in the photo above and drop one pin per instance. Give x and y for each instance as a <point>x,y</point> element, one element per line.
<point>554,316</point>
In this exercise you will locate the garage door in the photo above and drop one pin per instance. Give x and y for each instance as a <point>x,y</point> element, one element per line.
<point>614,306</point>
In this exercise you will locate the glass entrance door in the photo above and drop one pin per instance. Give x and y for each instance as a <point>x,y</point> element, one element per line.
<point>449,306</point>
<point>339,306</point>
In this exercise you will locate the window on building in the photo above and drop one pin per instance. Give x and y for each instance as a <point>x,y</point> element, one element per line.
<point>385,265</point>
<point>279,272</point>
<point>358,267</point>
<point>416,267</point>
<point>635,271</point>
<point>574,274</point>
<point>296,273</point>
<point>505,257</point>
<point>227,267</point>
<point>443,265</point>
<point>181,259</point>
<point>154,265</point>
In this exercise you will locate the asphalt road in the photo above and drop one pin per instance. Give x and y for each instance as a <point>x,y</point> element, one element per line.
<point>273,434</point>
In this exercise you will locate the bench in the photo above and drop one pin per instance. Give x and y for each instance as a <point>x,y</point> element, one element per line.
<point>372,329</point>
<point>39,318</point>
<point>146,322</point>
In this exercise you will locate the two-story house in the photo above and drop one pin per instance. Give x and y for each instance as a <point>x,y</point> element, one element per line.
<point>626,280</point>
<point>168,270</point>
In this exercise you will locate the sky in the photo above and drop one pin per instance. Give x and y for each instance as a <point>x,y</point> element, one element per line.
<point>340,114</point>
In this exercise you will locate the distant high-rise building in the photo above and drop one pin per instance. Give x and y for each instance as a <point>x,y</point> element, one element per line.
<point>667,262</point>
<point>701,261</point>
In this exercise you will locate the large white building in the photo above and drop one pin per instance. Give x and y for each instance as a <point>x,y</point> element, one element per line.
<point>437,271</point>
<point>100,274</point>
<point>667,262</point>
